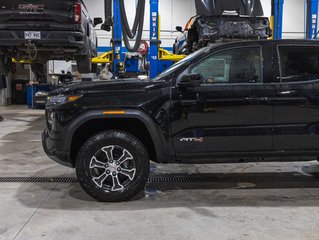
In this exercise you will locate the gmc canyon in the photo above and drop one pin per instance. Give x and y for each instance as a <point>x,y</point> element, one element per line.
<point>229,102</point>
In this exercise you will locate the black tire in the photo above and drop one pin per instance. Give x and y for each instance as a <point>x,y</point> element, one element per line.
<point>5,65</point>
<point>174,48</point>
<point>38,68</point>
<point>96,170</point>
<point>84,64</point>
<point>94,68</point>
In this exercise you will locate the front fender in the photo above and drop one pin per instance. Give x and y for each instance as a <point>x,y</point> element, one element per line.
<point>157,136</point>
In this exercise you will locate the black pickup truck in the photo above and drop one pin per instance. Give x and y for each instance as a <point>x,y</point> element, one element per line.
<point>43,30</point>
<point>230,102</point>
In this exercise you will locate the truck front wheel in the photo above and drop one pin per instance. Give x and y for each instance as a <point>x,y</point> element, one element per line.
<point>112,166</point>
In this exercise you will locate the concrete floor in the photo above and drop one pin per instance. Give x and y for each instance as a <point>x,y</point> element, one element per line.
<point>63,211</point>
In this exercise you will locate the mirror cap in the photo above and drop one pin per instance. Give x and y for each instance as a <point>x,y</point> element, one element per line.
<point>191,80</point>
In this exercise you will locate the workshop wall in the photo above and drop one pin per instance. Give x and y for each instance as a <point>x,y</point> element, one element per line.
<point>178,12</point>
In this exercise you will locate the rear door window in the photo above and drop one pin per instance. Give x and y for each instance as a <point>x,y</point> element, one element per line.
<point>298,63</point>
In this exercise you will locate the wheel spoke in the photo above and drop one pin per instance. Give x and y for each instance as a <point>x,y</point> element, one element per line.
<point>126,156</point>
<point>109,152</point>
<point>100,180</point>
<point>129,173</point>
<point>96,163</point>
<point>117,186</point>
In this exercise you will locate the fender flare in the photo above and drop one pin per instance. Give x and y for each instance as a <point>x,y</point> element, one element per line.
<point>156,135</point>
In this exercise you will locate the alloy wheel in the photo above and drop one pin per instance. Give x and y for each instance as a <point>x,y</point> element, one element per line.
<point>112,168</point>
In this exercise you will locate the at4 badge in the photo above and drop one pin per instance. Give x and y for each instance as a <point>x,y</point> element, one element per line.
<point>198,140</point>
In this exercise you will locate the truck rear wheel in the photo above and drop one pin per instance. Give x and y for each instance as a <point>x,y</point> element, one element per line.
<point>5,65</point>
<point>38,68</point>
<point>112,166</point>
<point>84,64</point>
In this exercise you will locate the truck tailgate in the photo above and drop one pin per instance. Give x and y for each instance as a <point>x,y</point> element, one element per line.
<point>51,11</point>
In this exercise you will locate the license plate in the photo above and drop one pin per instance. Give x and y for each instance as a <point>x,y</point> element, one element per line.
<point>32,35</point>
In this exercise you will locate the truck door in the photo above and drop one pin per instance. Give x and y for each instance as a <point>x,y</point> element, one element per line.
<point>232,112</point>
<point>297,99</point>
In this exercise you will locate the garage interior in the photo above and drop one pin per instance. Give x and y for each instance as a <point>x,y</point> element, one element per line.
<point>41,199</point>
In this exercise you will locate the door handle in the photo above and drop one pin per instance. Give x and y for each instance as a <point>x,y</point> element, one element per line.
<point>283,93</point>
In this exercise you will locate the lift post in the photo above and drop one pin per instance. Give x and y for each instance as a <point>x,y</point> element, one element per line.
<point>277,18</point>
<point>312,19</point>
<point>154,38</point>
<point>158,58</point>
<point>117,36</point>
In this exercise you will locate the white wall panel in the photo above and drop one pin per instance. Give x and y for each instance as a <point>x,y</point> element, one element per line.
<point>294,19</point>
<point>267,7</point>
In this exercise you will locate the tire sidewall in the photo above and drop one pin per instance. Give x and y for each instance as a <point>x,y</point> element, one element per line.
<point>116,138</point>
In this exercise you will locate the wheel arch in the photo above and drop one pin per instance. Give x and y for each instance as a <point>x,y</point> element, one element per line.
<point>134,122</point>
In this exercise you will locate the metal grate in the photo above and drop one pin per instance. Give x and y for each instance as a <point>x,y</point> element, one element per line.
<point>206,178</point>
<point>187,179</point>
<point>38,180</point>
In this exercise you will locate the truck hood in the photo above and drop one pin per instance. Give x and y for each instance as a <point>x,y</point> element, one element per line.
<point>115,94</point>
<point>125,86</point>
<point>251,8</point>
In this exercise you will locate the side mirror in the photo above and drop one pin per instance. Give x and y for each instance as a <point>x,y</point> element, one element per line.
<point>191,81</point>
<point>97,21</point>
<point>179,29</point>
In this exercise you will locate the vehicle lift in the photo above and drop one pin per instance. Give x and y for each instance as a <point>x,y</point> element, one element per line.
<point>158,58</point>
<point>311,9</point>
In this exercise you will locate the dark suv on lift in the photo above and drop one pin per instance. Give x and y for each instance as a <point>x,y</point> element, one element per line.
<point>43,30</point>
<point>230,102</point>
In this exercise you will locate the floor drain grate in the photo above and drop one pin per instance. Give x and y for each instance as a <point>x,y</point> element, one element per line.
<point>232,179</point>
<point>187,179</point>
<point>38,180</point>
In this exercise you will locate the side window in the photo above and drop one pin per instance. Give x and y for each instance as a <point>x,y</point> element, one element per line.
<point>242,65</point>
<point>299,63</point>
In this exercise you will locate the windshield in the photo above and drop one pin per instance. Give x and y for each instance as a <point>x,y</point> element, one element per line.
<point>177,65</point>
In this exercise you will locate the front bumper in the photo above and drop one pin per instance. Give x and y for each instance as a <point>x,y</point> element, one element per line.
<point>50,147</point>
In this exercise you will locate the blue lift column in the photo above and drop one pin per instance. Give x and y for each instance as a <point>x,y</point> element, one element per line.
<point>312,19</point>
<point>278,18</point>
<point>117,36</point>
<point>278,11</point>
<point>154,38</point>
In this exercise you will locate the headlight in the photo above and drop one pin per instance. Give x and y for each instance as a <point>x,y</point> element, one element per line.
<point>62,99</point>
